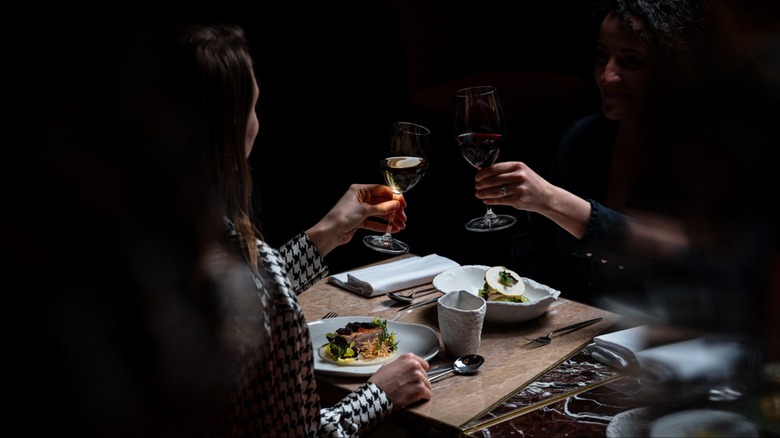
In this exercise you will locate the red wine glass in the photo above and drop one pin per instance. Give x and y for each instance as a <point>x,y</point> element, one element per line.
<point>480,129</point>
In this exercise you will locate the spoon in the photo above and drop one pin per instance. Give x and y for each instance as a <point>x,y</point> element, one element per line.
<point>407,299</point>
<point>467,364</point>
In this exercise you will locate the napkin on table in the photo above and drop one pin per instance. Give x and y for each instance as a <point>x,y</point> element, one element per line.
<point>393,276</point>
<point>682,361</point>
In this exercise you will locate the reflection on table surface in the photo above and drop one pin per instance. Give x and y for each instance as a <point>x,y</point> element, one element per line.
<point>557,390</point>
<point>463,402</point>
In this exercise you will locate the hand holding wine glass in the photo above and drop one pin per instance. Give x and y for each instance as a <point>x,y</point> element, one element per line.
<point>402,168</point>
<point>479,132</point>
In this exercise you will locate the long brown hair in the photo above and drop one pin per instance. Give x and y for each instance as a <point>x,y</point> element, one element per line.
<point>213,76</point>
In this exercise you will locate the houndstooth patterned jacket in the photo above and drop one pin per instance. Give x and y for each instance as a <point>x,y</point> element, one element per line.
<point>274,391</point>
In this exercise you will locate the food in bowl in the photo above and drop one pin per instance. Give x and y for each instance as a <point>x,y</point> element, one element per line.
<point>360,344</point>
<point>503,284</point>
<point>471,278</point>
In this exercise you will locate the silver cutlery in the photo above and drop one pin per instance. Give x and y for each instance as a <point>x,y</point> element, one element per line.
<point>545,340</point>
<point>467,364</point>
<point>407,299</point>
<point>421,303</point>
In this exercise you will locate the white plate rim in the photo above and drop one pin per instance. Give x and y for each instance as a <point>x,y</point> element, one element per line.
<point>415,338</point>
<point>682,422</point>
<point>633,422</point>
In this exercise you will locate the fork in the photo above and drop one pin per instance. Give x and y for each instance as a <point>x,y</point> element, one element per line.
<point>330,314</point>
<point>545,340</point>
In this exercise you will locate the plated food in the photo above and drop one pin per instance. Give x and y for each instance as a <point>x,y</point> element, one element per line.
<point>503,284</point>
<point>360,343</point>
<point>472,278</point>
<point>411,338</point>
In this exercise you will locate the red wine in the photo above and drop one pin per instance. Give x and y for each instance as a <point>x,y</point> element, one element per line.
<point>480,149</point>
<point>403,173</point>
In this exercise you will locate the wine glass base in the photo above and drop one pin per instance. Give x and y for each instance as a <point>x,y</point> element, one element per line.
<point>482,225</point>
<point>392,246</point>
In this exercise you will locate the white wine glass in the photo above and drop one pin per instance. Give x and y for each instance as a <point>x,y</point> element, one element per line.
<point>402,168</point>
<point>480,129</point>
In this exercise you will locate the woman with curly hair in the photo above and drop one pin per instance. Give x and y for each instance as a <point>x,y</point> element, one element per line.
<point>584,218</point>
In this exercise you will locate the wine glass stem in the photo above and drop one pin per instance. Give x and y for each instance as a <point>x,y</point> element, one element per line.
<point>490,217</point>
<point>388,237</point>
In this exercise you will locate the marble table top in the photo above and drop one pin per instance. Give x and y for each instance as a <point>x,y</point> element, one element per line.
<point>462,403</point>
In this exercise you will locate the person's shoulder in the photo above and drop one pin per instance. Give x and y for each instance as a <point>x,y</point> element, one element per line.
<point>590,122</point>
<point>592,126</point>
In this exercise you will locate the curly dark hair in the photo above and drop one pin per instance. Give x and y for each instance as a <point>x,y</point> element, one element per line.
<point>673,32</point>
<point>671,26</point>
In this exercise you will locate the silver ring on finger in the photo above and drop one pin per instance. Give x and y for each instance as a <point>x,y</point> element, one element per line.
<point>503,190</point>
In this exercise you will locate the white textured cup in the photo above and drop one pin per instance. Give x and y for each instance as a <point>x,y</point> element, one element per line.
<point>461,315</point>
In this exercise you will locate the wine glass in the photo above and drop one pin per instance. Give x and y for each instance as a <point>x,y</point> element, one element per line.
<point>402,168</point>
<point>479,131</point>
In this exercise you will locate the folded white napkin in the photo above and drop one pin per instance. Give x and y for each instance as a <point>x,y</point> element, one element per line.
<point>692,360</point>
<point>685,361</point>
<point>393,276</point>
<point>617,349</point>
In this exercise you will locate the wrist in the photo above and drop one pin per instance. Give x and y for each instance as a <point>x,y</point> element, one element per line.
<point>322,237</point>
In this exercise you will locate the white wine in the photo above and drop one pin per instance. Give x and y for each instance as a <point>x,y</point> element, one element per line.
<point>403,173</point>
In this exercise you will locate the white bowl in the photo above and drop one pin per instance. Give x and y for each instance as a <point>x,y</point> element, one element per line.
<point>471,278</point>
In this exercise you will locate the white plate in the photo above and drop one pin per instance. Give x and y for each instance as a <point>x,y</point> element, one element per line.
<point>471,278</point>
<point>633,422</point>
<point>704,422</point>
<point>416,338</point>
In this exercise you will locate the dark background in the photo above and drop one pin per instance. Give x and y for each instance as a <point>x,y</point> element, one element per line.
<point>333,78</point>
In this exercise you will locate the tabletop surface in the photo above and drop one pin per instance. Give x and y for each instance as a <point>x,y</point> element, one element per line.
<point>463,402</point>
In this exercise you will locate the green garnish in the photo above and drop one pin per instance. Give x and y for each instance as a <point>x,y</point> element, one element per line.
<point>386,337</point>
<point>507,279</point>
<point>340,351</point>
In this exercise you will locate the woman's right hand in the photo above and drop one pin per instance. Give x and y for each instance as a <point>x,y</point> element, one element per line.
<point>525,189</point>
<point>404,380</point>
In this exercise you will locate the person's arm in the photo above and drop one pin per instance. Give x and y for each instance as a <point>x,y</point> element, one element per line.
<point>612,236</point>
<point>355,210</point>
<point>515,184</point>
<point>394,386</point>
<point>305,265</point>
<point>357,413</point>
<point>305,253</point>
<point>602,233</point>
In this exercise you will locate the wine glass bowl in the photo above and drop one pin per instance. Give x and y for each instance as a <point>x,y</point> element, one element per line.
<point>480,150</point>
<point>479,132</point>
<point>402,168</point>
<point>402,173</point>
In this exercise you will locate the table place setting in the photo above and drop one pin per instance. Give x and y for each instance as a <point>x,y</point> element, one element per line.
<point>505,366</point>
<point>415,338</point>
<point>706,375</point>
<point>541,341</point>
<point>668,355</point>
<point>393,276</point>
<point>409,298</point>
<point>420,303</point>
<point>471,278</point>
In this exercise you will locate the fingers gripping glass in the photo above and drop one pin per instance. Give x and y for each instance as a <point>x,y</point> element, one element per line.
<point>479,132</point>
<point>402,167</point>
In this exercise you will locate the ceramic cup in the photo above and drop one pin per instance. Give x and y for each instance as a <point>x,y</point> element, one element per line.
<point>461,316</point>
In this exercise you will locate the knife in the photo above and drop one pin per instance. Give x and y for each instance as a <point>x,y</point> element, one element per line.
<point>421,303</point>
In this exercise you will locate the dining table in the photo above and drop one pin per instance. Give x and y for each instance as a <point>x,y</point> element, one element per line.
<point>520,385</point>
